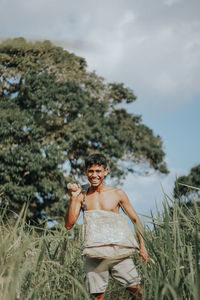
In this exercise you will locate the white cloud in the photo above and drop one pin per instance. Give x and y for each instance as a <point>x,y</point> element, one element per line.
<point>151,46</point>
<point>171,2</point>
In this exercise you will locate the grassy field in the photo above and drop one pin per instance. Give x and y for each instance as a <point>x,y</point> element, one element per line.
<point>47,264</point>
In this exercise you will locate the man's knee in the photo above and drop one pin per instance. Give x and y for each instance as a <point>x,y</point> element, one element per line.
<point>136,291</point>
<point>99,296</point>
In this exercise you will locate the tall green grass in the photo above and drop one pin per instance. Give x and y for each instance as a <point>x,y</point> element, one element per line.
<point>46,263</point>
<point>174,245</point>
<point>39,264</point>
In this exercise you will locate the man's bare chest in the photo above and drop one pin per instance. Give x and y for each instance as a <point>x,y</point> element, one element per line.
<point>107,202</point>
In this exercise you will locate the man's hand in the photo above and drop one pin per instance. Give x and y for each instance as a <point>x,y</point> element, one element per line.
<point>143,254</point>
<point>74,189</point>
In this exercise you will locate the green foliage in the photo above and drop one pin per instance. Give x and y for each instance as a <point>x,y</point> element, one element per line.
<point>47,264</point>
<point>54,113</point>
<point>188,186</point>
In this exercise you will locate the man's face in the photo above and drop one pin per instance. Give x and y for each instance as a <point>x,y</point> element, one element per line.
<point>96,174</point>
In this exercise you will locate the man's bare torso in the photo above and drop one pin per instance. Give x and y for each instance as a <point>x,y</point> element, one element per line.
<point>107,199</point>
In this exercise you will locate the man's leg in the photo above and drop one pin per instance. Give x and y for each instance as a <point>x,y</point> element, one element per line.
<point>126,274</point>
<point>136,291</point>
<point>96,276</point>
<point>99,296</point>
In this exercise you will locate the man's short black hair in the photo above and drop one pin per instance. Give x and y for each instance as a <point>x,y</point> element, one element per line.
<point>95,159</point>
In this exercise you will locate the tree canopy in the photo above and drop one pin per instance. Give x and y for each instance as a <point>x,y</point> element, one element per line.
<point>188,186</point>
<point>54,113</point>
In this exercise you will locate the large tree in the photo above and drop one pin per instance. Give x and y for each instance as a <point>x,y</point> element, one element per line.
<point>53,113</point>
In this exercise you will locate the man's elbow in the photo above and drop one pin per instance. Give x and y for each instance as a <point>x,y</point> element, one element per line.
<point>68,226</point>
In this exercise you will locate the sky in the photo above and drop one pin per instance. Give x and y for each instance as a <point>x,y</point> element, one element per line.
<point>152,46</point>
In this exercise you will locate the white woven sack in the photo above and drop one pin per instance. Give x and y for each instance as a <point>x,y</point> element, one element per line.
<point>107,235</point>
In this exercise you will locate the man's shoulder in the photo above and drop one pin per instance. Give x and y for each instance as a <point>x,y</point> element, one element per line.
<point>114,190</point>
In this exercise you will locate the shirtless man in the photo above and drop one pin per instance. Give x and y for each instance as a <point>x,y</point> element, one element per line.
<point>101,197</point>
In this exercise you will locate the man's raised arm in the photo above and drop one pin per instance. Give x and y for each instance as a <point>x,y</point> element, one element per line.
<point>74,208</point>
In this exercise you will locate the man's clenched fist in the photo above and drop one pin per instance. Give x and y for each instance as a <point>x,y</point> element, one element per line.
<point>74,189</point>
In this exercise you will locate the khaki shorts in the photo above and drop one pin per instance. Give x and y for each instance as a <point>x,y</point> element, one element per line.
<point>97,273</point>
